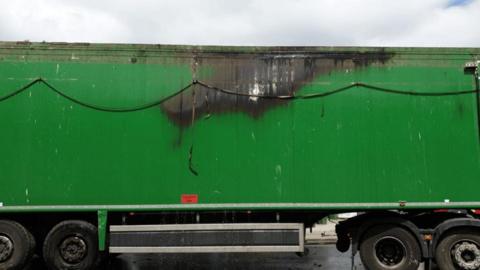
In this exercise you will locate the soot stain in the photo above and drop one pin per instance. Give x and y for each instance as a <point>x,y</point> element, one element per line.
<point>275,74</point>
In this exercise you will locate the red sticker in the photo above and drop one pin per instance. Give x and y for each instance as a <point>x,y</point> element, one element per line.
<point>189,198</point>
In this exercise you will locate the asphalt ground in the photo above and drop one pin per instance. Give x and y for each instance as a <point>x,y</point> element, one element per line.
<point>320,257</point>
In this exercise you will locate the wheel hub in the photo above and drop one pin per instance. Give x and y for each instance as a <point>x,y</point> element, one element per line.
<point>390,251</point>
<point>6,248</point>
<point>466,255</point>
<point>73,249</point>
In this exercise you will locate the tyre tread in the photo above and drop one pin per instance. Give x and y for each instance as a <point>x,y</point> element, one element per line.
<point>30,243</point>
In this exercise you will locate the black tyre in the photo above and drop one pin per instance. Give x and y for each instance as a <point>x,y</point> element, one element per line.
<point>17,245</point>
<point>71,245</point>
<point>459,249</point>
<point>389,247</point>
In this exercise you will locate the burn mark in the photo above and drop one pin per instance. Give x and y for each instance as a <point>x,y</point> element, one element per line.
<point>263,74</point>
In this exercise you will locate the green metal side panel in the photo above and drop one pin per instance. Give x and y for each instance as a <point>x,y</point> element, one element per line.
<point>358,148</point>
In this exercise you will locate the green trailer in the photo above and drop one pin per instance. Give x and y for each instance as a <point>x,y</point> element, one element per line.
<point>109,148</point>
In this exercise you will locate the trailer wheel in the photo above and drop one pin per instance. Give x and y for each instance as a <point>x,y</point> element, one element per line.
<point>17,245</point>
<point>71,245</point>
<point>459,249</point>
<point>389,247</point>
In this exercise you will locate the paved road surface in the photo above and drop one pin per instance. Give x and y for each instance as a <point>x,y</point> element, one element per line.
<point>324,257</point>
<point>321,257</point>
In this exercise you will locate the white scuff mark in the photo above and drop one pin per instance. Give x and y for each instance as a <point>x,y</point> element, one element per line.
<point>274,87</point>
<point>419,136</point>
<point>74,57</point>
<point>278,170</point>
<point>1,204</point>
<point>255,91</point>
<point>26,196</point>
<point>273,74</point>
<point>93,86</point>
<point>290,56</point>
<point>253,136</point>
<point>446,201</point>
<point>34,121</point>
<point>71,107</point>
<point>339,126</point>
<point>279,189</point>
<point>58,69</point>
<point>56,151</point>
<point>59,126</point>
<point>29,94</point>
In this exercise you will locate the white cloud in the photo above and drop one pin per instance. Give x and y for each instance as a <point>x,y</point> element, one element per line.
<point>39,20</point>
<point>454,26</point>
<point>247,22</point>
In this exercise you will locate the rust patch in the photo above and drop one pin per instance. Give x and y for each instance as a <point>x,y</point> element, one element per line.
<point>279,74</point>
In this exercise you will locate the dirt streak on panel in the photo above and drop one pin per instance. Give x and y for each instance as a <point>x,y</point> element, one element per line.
<point>258,74</point>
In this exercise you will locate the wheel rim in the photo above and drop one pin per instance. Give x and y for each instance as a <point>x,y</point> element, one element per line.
<point>390,252</point>
<point>6,248</point>
<point>73,249</point>
<point>466,254</point>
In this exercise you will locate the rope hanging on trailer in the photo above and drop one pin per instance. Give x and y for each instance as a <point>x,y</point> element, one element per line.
<point>236,93</point>
<point>92,106</point>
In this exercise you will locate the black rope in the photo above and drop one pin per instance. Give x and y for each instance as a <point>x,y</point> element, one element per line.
<point>91,106</point>
<point>236,93</point>
<point>341,89</point>
<point>23,88</point>
<point>414,93</point>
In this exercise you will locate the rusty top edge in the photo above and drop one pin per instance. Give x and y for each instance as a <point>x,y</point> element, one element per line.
<point>22,45</point>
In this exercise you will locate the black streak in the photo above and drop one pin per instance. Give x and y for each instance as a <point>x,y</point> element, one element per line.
<point>279,74</point>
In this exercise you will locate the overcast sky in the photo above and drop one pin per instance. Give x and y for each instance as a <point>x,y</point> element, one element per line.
<point>245,22</point>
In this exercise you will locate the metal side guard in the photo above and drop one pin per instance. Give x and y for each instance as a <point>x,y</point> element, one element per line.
<point>207,238</point>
